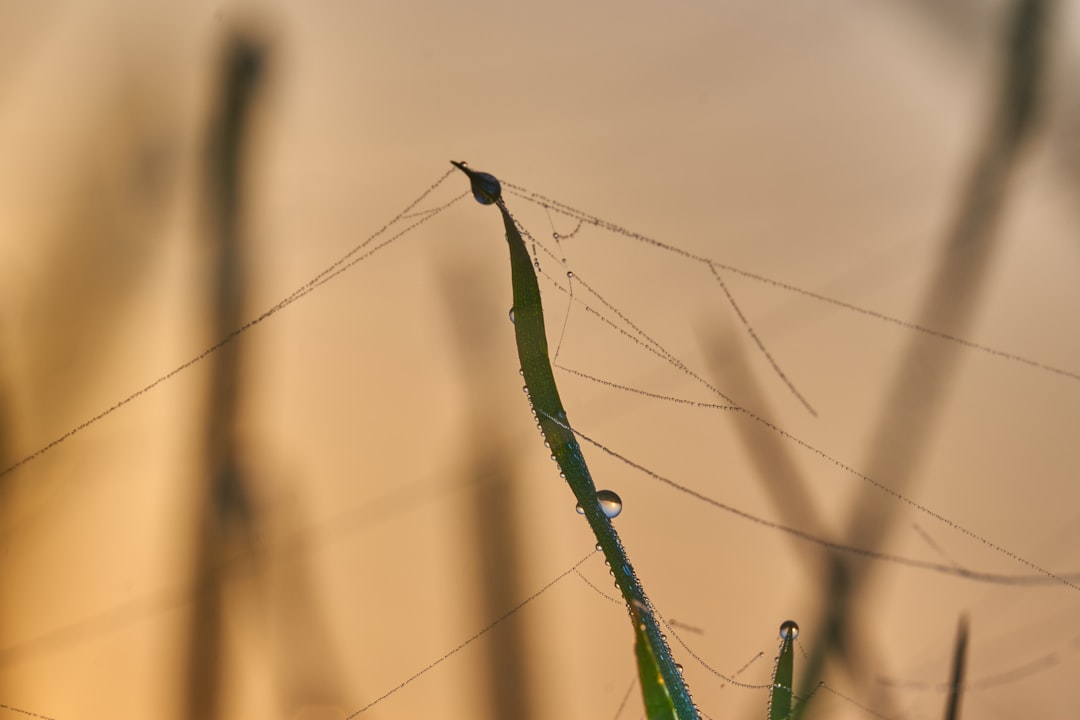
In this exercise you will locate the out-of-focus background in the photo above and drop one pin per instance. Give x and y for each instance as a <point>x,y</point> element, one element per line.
<point>304,519</point>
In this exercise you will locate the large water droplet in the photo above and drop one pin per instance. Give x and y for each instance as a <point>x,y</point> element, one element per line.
<point>485,188</point>
<point>512,316</point>
<point>610,503</point>
<point>789,629</point>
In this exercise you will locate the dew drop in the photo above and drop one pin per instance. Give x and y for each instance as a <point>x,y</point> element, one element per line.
<point>789,629</point>
<point>679,667</point>
<point>598,547</point>
<point>485,187</point>
<point>610,503</point>
<point>512,315</point>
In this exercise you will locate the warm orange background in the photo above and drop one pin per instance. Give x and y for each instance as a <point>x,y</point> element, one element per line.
<point>821,144</point>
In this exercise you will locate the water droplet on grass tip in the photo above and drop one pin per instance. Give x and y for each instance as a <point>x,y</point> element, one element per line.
<point>512,316</point>
<point>485,187</point>
<point>789,629</point>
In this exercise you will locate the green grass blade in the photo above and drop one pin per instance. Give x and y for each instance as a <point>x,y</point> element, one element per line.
<point>780,703</point>
<point>658,702</point>
<point>658,669</point>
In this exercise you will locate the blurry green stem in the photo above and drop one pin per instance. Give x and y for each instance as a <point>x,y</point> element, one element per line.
<point>956,684</point>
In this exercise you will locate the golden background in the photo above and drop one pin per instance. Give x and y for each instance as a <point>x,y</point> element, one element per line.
<point>392,498</point>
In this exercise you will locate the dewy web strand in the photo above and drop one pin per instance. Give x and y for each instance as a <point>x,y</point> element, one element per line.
<point>487,628</point>
<point>761,345</point>
<point>26,713</point>
<point>1068,580</point>
<point>339,266</point>
<point>568,211</point>
<point>1043,578</point>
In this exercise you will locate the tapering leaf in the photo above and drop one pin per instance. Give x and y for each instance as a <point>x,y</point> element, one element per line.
<point>658,669</point>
